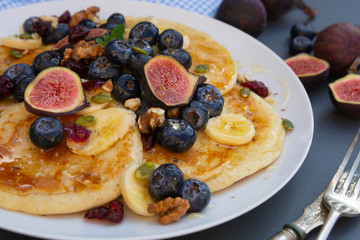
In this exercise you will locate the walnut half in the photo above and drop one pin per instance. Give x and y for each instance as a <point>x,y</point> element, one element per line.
<point>170,209</point>
<point>149,121</point>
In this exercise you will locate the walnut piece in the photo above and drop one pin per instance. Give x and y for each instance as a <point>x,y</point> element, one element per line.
<point>149,121</point>
<point>132,104</point>
<point>84,50</point>
<point>107,86</point>
<point>170,209</point>
<point>89,13</point>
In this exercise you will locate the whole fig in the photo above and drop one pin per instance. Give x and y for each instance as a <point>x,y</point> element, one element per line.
<point>339,44</point>
<point>247,15</point>
<point>278,8</point>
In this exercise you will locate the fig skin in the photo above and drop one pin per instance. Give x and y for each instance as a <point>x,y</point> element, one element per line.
<point>350,108</point>
<point>310,78</point>
<point>170,90</point>
<point>339,44</point>
<point>247,15</point>
<point>43,109</point>
<point>278,8</point>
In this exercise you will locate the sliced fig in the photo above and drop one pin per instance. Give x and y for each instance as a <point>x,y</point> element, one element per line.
<point>55,91</point>
<point>345,94</point>
<point>310,70</point>
<point>166,83</point>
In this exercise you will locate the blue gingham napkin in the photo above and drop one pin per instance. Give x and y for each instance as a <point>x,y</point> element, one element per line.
<point>204,7</point>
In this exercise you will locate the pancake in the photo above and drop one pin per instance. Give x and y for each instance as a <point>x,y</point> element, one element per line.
<point>57,180</point>
<point>219,165</point>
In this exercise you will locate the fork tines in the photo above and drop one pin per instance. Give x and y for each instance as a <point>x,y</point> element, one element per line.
<point>347,183</point>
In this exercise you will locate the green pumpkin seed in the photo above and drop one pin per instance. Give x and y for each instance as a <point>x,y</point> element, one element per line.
<point>86,120</point>
<point>100,98</point>
<point>15,53</point>
<point>139,50</point>
<point>203,68</point>
<point>145,170</point>
<point>287,124</point>
<point>26,36</point>
<point>245,92</point>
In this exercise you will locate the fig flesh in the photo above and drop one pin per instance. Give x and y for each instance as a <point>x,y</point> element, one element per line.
<point>339,44</point>
<point>310,70</point>
<point>278,8</point>
<point>55,91</point>
<point>166,83</point>
<point>247,15</point>
<point>345,94</point>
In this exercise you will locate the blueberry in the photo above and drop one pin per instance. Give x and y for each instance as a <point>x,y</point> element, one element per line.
<point>196,114</point>
<point>45,60</point>
<point>19,71</point>
<point>300,44</point>
<point>180,54</point>
<point>302,29</point>
<point>118,51</point>
<point>46,132</point>
<point>126,87</point>
<point>146,31</point>
<point>210,97</point>
<point>137,64</point>
<point>197,193</point>
<point>144,106</point>
<point>19,89</point>
<point>165,181</point>
<point>57,34</point>
<point>28,24</point>
<point>88,23</point>
<point>170,38</point>
<point>176,135</point>
<point>108,26</point>
<point>141,47</point>
<point>103,69</point>
<point>116,18</point>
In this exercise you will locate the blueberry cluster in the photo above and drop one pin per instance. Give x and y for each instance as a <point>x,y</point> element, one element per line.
<point>302,35</point>
<point>168,181</point>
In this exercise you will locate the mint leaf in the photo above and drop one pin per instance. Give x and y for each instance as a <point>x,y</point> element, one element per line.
<point>117,33</point>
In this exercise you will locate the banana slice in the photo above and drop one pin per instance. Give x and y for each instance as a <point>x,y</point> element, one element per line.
<point>111,125</point>
<point>18,43</point>
<point>135,191</point>
<point>93,107</point>
<point>230,129</point>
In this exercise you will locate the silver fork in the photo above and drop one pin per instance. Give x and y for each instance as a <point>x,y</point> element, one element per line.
<point>342,198</point>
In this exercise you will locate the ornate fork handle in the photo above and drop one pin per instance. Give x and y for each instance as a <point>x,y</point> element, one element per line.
<point>313,216</point>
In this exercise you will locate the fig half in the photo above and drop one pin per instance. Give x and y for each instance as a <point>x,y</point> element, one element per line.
<point>166,83</point>
<point>310,70</point>
<point>55,91</point>
<point>345,94</point>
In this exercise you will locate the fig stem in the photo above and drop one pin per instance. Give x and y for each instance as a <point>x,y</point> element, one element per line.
<point>354,66</point>
<point>306,8</point>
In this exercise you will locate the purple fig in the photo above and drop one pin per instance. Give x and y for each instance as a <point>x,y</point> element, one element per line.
<point>278,8</point>
<point>247,15</point>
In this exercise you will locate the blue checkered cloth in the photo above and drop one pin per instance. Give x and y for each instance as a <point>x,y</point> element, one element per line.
<point>204,7</point>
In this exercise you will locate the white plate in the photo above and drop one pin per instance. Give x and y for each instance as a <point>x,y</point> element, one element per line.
<point>256,59</point>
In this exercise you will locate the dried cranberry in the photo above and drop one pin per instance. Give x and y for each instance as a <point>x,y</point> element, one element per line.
<point>6,86</point>
<point>257,87</point>
<point>92,84</point>
<point>76,133</point>
<point>65,17</point>
<point>80,67</point>
<point>42,28</point>
<point>113,213</point>
<point>77,33</point>
<point>149,141</point>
